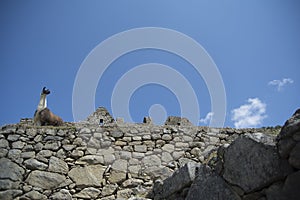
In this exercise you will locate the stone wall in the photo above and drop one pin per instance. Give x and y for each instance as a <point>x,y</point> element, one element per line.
<point>253,166</point>
<point>120,160</point>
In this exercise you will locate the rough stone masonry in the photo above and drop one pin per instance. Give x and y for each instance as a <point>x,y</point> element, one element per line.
<point>103,158</point>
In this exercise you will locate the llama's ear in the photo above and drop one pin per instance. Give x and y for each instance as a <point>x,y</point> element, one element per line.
<point>45,91</point>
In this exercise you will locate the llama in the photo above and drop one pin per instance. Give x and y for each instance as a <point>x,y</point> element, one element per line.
<point>43,116</point>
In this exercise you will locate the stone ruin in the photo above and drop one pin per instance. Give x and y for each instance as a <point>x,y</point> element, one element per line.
<point>103,158</point>
<point>100,116</point>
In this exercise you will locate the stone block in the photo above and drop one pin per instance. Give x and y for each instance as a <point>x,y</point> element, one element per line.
<point>58,165</point>
<point>152,160</point>
<point>88,193</point>
<point>126,155</point>
<point>291,186</point>
<point>285,146</point>
<point>45,153</point>
<point>45,180</point>
<point>34,164</point>
<point>166,157</point>
<point>294,159</point>
<point>117,176</point>
<point>140,148</point>
<point>13,137</point>
<point>18,145</point>
<point>28,154</point>
<point>116,133</point>
<point>3,152</point>
<point>120,165</point>
<point>138,155</point>
<point>246,161</point>
<point>109,159</point>
<point>6,184</point>
<point>87,176</point>
<point>4,143</point>
<point>10,170</point>
<point>177,154</point>
<point>14,154</point>
<point>91,159</point>
<point>134,170</point>
<point>209,185</point>
<point>10,194</point>
<point>34,195</point>
<point>168,148</point>
<point>166,137</point>
<point>179,180</point>
<point>109,189</point>
<point>63,194</point>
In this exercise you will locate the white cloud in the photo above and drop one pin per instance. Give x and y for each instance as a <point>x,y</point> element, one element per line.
<point>250,114</point>
<point>281,83</point>
<point>207,119</point>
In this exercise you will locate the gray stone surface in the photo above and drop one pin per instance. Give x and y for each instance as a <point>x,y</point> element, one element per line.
<point>58,165</point>
<point>109,159</point>
<point>34,195</point>
<point>45,153</point>
<point>252,165</point>
<point>140,148</point>
<point>34,164</point>
<point>10,170</point>
<point>209,185</point>
<point>63,194</point>
<point>87,176</point>
<point>116,133</point>
<point>294,158</point>
<point>91,159</point>
<point>291,186</point>
<point>274,192</point>
<point>179,180</point>
<point>178,121</point>
<point>88,193</point>
<point>166,157</point>
<point>4,143</point>
<point>100,114</point>
<point>18,145</point>
<point>168,147</point>
<point>152,160</point>
<point>13,137</point>
<point>45,180</point>
<point>285,146</point>
<point>3,152</point>
<point>109,189</point>
<point>117,176</point>
<point>262,138</point>
<point>28,154</point>
<point>6,184</point>
<point>10,194</point>
<point>120,165</point>
<point>291,126</point>
<point>124,193</point>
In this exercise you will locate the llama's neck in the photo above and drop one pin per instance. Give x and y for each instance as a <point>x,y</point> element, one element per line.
<point>43,102</point>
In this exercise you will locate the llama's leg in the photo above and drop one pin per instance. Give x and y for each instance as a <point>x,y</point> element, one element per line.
<point>36,119</point>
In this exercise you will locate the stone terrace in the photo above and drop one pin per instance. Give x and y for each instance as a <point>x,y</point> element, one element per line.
<point>102,158</point>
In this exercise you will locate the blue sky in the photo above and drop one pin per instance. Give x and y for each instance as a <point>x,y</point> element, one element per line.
<point>255,46</point>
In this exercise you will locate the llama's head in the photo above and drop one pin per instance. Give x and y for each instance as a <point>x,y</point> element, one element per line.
<point>45,91</point>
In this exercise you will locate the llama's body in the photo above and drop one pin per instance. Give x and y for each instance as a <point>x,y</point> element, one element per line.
<point>43,116</point>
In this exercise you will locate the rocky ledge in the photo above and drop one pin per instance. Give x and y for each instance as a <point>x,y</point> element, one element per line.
<point>106,159</point>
